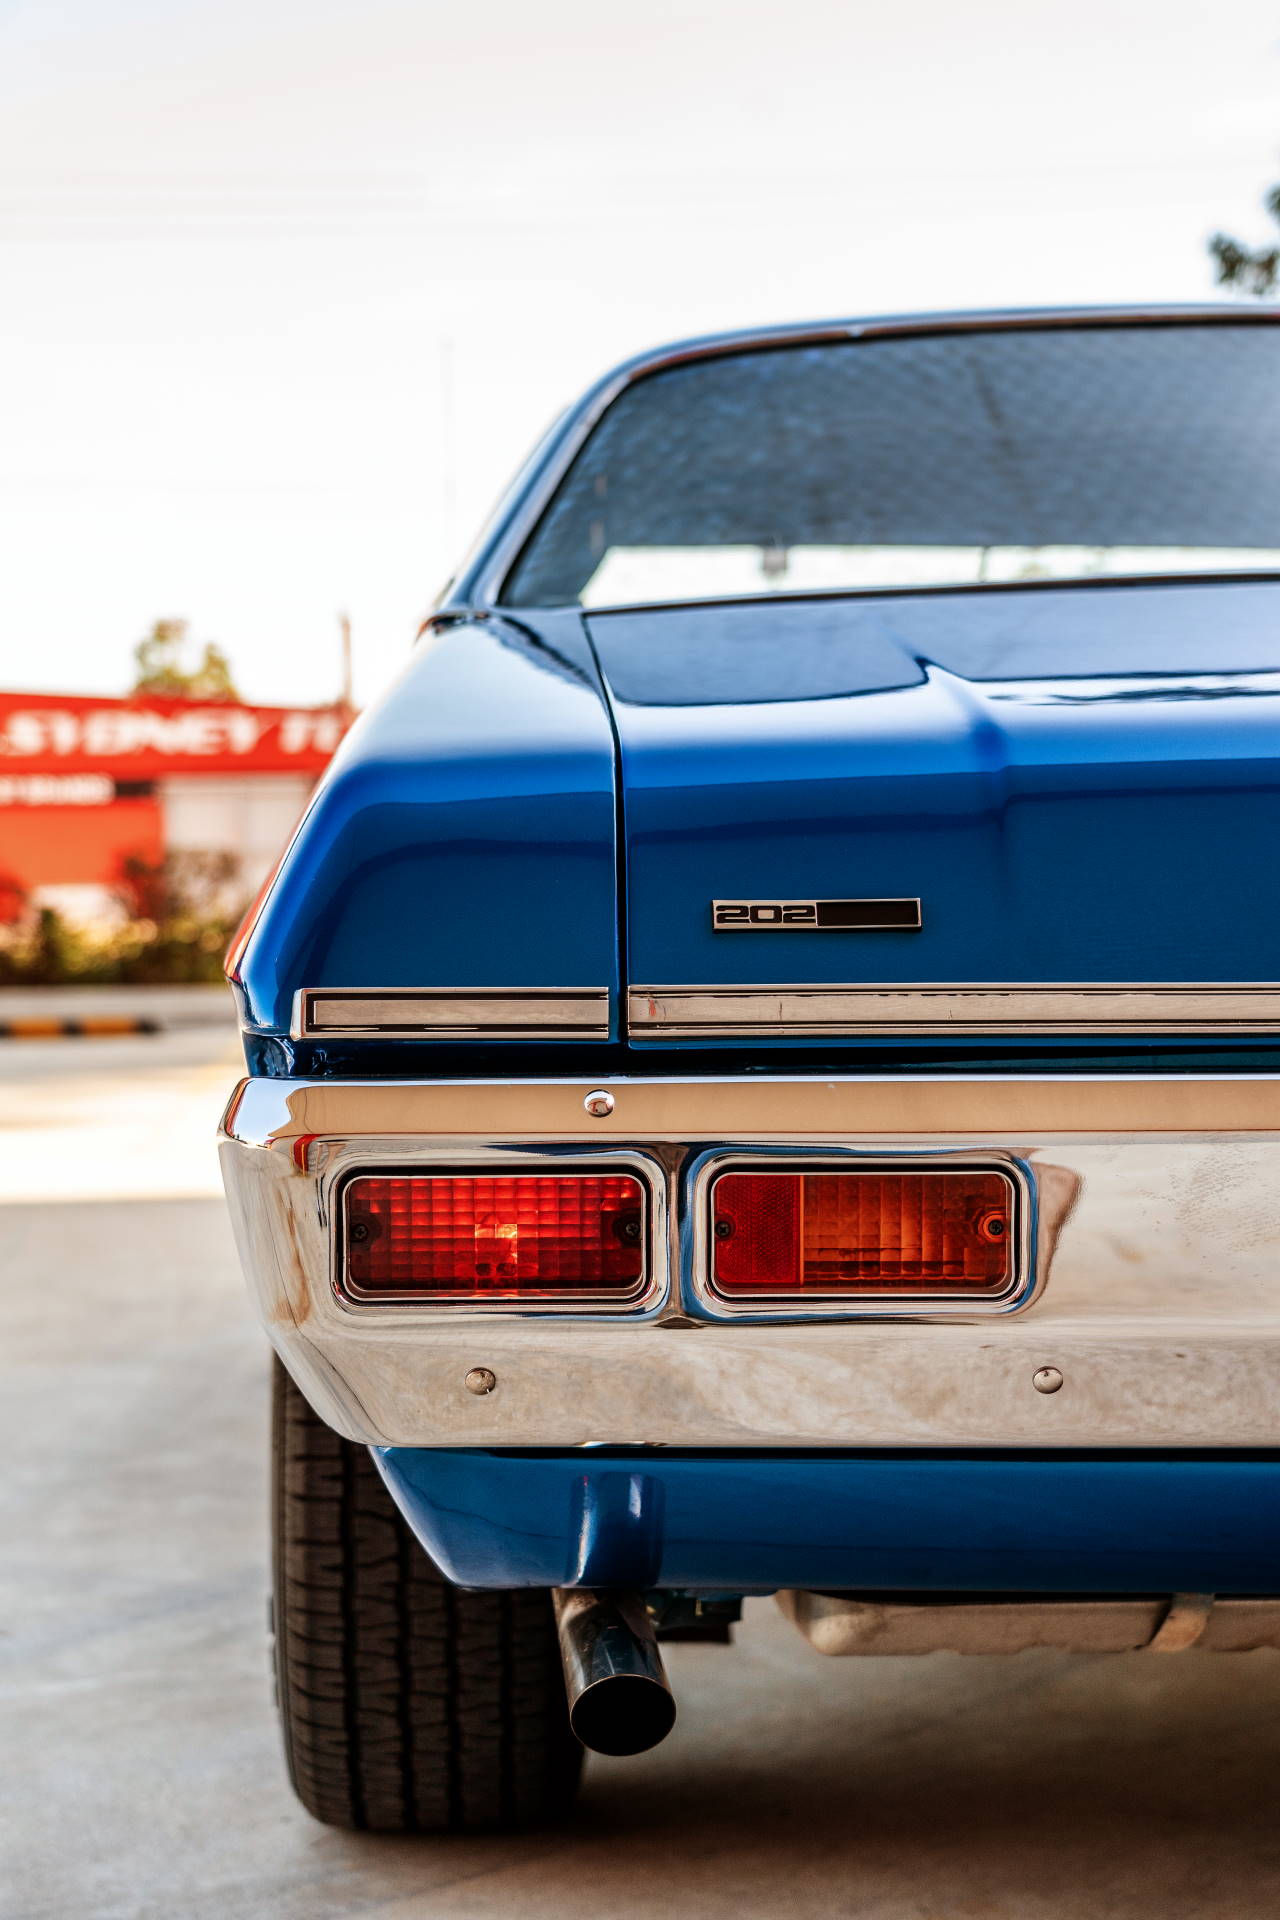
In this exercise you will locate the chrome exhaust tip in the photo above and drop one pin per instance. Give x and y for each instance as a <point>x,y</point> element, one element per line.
<point>620,1701</point>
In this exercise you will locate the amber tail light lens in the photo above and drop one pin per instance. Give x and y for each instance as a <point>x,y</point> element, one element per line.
<point>872,1233</point>
<point>538,1238</point>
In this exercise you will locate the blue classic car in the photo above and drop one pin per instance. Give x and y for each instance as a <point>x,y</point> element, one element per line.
<point>763,1054</point>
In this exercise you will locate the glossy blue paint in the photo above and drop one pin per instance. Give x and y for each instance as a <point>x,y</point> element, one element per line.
<point>924,1522</point>
<point>1081,783</point>
<point>464,835</point>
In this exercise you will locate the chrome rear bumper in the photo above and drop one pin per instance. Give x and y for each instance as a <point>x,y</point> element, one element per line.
<point>1157,1251</point>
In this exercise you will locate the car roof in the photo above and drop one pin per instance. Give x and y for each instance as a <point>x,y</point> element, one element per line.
<point>871,326</point>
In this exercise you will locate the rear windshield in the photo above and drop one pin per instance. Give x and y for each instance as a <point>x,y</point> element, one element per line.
<point>944,460</point>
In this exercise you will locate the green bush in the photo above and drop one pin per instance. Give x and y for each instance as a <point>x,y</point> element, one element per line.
<point>51,952</point>
<point>180,917</point>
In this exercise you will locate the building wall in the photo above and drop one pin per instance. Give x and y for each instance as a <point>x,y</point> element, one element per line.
<point>70,857</point>
<point>87,783</point>
<point>250,816</point>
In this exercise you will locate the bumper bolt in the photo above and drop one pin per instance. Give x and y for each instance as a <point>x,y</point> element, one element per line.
<point>480,1380</point>
<point>1046,1379</point>
<point>599,1103</point>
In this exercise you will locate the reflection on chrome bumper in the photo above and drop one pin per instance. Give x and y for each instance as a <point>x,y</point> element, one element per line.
<point>1158,1259</point>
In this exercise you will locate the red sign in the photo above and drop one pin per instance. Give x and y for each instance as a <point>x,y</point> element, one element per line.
<point>147,737</point>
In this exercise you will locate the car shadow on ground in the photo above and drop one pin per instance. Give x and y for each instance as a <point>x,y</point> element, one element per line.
<point>949,1787</point>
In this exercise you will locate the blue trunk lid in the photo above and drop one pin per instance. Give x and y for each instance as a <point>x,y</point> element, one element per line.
<point>1080,783</point>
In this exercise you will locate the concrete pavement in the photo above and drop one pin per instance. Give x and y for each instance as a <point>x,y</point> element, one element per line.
<point>140,1777</point>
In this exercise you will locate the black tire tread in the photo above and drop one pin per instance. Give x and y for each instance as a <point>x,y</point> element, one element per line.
<point>407,1705</point>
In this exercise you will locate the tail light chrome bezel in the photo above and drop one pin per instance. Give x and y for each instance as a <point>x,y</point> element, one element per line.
<point>643,1302</point>
<point>712,1303</point>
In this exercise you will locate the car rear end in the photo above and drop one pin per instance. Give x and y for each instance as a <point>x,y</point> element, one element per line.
<point>780,1097</point>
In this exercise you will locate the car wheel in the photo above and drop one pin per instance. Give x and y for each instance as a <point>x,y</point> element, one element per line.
<point>407,1705</point>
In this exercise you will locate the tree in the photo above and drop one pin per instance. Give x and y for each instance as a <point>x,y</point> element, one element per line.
<point>159,660</point>
<point>1255,269</point>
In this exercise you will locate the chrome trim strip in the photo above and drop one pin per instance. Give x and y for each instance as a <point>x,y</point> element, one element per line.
<point>991,1108</point>
<point>451,1013</point>
<point>1027,1271</point>
<point>744,1012</point>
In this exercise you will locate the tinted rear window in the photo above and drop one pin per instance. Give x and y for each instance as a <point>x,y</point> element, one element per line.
<point>951,459</point>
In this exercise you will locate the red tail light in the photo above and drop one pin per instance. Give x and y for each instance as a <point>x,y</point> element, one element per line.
<point>525,1237</point>
<point>862,1233</point>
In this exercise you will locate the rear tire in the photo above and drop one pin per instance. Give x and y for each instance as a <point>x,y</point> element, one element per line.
<point>407,1705</point>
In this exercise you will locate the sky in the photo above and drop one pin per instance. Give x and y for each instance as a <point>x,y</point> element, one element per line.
<point>288,290</point>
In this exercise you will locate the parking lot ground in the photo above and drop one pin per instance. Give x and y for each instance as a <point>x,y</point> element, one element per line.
<point>141,1777</point>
